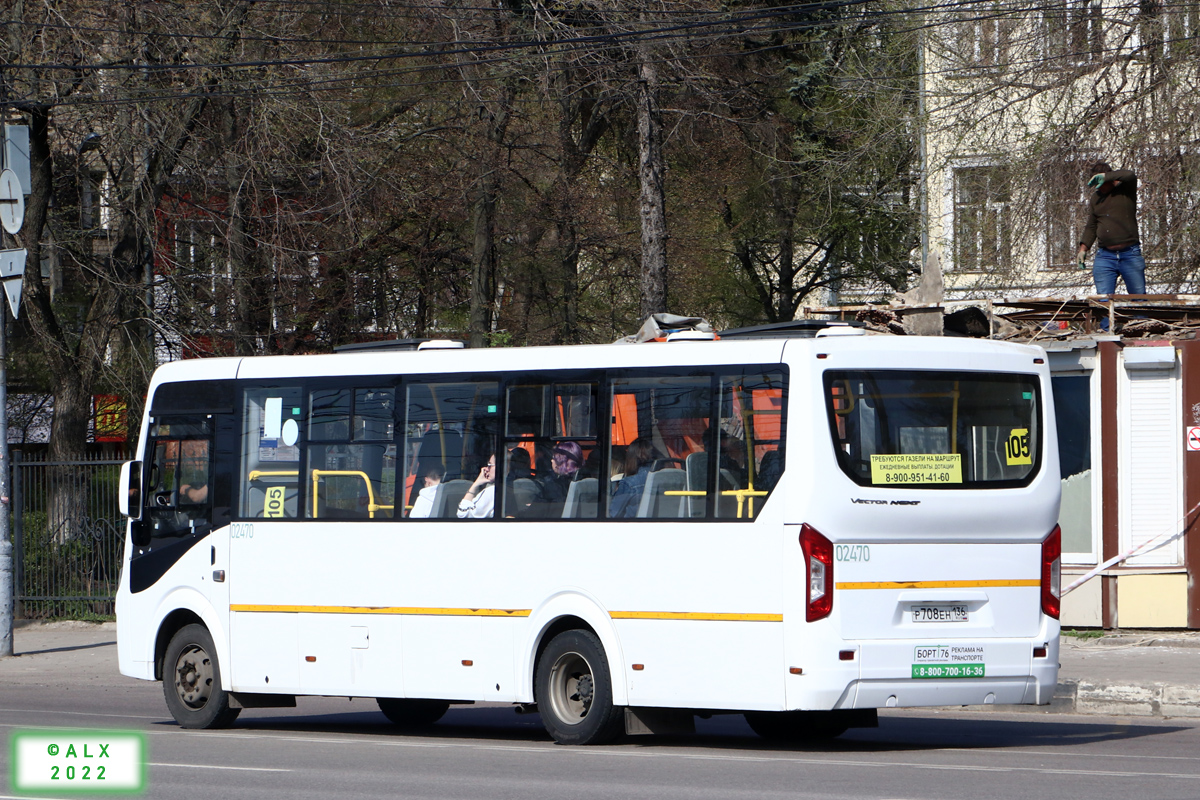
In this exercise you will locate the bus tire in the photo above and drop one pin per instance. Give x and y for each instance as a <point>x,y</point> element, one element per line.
<point>411,714</point>
<point>795,726</point>
<point>192,681</point>
<point>574,691</point>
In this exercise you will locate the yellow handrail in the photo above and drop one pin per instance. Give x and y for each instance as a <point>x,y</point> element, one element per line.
<point>255,474</point>
<point>372,506</point>
<point>742,496</point>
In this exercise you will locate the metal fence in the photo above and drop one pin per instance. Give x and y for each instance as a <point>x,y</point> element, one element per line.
<point>68,537</point>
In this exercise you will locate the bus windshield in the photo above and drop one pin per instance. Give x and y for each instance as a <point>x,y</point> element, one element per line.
<point>935,430</point>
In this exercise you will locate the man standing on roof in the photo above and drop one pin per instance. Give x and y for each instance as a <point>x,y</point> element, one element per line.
<point>1112,225</point>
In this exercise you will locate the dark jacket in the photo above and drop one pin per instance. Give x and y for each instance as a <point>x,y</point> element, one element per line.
<point>1112,217</point>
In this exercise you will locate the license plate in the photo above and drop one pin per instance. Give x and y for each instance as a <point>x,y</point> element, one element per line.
<point>940,613</point>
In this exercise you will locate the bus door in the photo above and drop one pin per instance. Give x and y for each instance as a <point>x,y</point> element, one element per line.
<point>177,518</point>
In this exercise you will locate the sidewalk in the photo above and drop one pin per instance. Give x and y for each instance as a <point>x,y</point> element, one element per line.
<point>1147,673</point>
<point>1135,673</point>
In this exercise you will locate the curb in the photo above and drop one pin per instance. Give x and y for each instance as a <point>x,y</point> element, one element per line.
<point>1126,700</point>
<point>1114,700</point>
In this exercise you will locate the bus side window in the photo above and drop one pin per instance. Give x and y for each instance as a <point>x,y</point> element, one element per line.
<point>551,450</point>
<point>660,430</point>
<point>451,430</point>
<point>751,433</point>
<point>268,478</point>
<point>351,456</point>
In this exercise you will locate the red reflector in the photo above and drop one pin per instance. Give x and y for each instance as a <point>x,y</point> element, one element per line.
<point>822,355</point>
<point>846,655</point>
<point>1052,573</point>
<point>796,670</point>
<point>311,659</point>
<point>468,663</point>
<point>638,667</point>
<point>1039,652</point>
<point>818,570</point>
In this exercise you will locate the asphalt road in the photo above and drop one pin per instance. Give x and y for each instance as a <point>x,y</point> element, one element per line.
<point>332,747</point>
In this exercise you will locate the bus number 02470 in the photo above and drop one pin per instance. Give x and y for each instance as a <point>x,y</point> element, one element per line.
<point>241,530</point>
<point>852,552</point>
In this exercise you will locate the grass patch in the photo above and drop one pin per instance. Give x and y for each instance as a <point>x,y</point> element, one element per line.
<point>1083,633</point>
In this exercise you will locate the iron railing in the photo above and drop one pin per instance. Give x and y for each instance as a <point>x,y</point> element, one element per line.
<point>68,537</point>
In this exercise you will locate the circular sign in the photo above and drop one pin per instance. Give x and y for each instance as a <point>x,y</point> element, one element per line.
<point>12,202</point>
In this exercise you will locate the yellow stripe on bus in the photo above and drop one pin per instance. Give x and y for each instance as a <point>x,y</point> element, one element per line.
<point>406,610</point>
<point>936,584</point>
<point>696,615</point>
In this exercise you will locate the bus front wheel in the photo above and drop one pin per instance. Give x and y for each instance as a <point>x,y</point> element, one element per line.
<point>192,681</point>
<point>574,690</point>
<point>412,713</point>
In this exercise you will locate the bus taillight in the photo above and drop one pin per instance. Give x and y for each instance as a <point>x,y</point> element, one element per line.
<point>818,568</point>
<point>1052,573</point>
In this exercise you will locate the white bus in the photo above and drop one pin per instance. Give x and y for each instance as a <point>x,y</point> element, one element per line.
<point>800,529</point>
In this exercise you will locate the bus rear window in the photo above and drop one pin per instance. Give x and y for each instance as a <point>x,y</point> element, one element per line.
<point>935,430</point>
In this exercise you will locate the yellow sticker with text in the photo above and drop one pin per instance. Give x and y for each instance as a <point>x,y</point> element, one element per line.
<point>914,469</point>
<point>274,504</point>
<point>1016,448</point>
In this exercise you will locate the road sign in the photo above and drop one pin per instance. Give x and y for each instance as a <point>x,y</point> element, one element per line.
<point>12,272</point>
<point>12,202</point>
<point>1193,438</point>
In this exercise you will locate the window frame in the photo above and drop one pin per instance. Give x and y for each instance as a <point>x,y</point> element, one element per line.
<point>401,385</point>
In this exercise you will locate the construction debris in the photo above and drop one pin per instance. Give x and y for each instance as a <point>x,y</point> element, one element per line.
<point>1031,319</point>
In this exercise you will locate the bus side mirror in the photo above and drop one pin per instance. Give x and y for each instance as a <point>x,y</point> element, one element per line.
<point>129,499</point>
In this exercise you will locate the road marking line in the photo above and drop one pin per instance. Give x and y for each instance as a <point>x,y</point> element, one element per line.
<point>551,749</point>
<point>1070,755</point>
<point>72,713</point>
<point>214,766</point>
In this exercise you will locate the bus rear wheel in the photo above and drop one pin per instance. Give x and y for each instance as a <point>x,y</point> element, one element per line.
<point>411,714</point>
<point>574,691</point>
<point>192,681</point>
<point>796,726</point>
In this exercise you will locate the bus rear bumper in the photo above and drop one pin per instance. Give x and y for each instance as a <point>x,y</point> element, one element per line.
<point>964,692</point>
<point>908,674</point>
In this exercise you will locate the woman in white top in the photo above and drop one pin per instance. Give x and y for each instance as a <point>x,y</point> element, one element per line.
<point>480,499</point>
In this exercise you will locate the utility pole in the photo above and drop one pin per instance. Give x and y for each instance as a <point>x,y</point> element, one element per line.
<point>12,269</point>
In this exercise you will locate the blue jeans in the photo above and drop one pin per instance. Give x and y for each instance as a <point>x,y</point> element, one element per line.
<point>1127,263</point>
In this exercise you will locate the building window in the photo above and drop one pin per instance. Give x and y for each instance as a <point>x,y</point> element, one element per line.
<point>983,35</point>
<point>982,223</point>
<point>1168,202</point>
<point>94,211</point>
<point>1066,198</point>
<point>1073,30</point>
<point>1169,30</point>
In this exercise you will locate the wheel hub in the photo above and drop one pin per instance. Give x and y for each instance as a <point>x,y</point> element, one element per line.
<point>193,677</point>
<point>583,692</point>
<point>572,688</point>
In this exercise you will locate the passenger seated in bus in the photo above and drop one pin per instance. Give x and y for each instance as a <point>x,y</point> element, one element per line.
<point>639,457</point>
<point>733,458</point>
<point>591,465</point>
<point>616,463</point>
<point>565,461</point>
<point>769,470</point>
<point>423,508</point>
<point>519,464</point>
<point>480,498</point>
